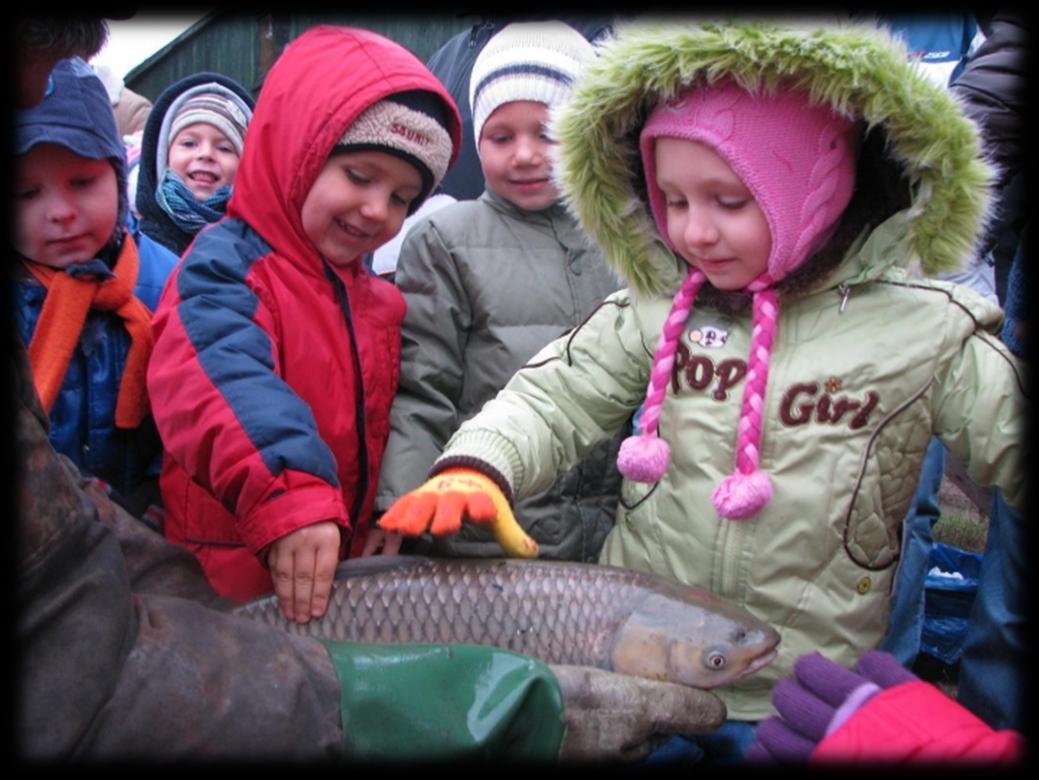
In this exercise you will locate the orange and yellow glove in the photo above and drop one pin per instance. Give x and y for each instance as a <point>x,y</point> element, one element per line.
<point>440,505</point>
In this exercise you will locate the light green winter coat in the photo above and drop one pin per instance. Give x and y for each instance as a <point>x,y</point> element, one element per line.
<point>870,359</point>
<point>487,286</point>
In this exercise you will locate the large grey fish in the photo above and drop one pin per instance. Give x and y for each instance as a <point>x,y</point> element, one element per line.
<point>562,613</point>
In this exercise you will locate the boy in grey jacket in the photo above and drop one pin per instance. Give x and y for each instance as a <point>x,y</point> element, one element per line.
<point>489,282</point>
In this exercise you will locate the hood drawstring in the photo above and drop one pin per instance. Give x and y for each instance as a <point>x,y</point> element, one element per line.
<point>645,457</point>
<point>845,291</point>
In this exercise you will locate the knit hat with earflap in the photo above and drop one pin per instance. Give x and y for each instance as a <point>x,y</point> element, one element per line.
<point>411,125</point>
<point>798,161</point>
<point>535,61</point>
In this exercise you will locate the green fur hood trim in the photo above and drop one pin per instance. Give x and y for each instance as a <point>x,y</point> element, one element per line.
<point>857,69</point>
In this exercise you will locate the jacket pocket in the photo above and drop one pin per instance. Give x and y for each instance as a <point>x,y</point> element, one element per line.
<point>885,488</point>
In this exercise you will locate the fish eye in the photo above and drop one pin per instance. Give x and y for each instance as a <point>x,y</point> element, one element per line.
<point>715,659</point>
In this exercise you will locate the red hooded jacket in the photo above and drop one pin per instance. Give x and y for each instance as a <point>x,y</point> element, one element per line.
<point>272,376</point>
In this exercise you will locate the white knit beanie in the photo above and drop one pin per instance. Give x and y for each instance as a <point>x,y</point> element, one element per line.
<point>536,61</point>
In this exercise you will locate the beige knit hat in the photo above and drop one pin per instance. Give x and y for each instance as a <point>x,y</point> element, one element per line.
<point>410,125</point>
<point>536,61</point>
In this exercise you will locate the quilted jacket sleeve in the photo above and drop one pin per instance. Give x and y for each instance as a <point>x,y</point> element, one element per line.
<point>575,393</point>
<point>979,409</point>
<point>221,406</point>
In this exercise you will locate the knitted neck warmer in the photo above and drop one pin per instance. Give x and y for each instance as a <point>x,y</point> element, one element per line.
<point>187,212</point>
<point>798,160</point>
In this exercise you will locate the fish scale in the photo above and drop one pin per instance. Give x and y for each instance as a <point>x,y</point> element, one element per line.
<point>560,612</point>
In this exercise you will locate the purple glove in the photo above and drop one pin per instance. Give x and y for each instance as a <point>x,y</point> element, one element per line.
<point>817,700</point>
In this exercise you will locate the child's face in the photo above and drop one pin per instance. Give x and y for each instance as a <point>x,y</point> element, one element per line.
<point>517,156</point>
<point>712,218</point>
<point>66,206</point>
<point>357,203</point>
<point>204,158</point>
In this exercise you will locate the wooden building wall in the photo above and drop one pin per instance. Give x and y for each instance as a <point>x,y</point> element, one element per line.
<point>244,45</point>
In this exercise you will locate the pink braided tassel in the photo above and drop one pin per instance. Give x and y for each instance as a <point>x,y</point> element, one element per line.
<point>644,458</point>
<point>744,492</point>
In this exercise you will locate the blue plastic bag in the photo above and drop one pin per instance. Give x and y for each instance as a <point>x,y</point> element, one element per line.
<point>948,600</point>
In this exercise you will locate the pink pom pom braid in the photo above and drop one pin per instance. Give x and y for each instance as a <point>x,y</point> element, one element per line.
<point>645,457</point>
<point>747,490</point>
<point>640,459</point>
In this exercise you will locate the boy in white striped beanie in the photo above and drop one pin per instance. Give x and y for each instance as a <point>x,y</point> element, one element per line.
<point>522,73</point>
<point>489,282</point>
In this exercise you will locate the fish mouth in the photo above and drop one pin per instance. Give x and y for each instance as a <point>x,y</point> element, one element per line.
<point>761,661</point>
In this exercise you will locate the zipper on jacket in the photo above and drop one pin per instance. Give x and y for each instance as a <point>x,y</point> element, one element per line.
<point>845,291</point>
<point>359,416</point>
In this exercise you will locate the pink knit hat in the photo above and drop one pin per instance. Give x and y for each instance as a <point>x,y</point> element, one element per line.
<point>798,161</point>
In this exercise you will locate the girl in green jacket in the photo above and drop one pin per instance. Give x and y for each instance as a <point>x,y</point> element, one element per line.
<point>772,193</point>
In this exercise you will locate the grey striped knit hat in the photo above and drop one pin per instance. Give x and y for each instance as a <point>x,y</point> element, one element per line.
<point>226,112</point>
<point>535,61</point>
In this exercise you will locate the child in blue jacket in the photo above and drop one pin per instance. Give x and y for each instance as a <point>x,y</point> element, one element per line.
<point>84,296</point>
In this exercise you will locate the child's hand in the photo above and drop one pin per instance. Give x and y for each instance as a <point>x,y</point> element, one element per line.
<point>454,494</point>
<point>303,565</point>
<point>386,542</point>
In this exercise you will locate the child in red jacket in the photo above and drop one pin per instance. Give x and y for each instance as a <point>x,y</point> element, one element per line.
<point>276,353</point>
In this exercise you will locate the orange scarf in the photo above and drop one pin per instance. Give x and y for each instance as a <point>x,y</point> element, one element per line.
<point>64,312</point>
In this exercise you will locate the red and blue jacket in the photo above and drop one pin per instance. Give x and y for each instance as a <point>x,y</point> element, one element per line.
<point>272,374</point>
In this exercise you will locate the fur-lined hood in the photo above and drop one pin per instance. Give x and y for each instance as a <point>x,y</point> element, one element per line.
<point>858,69</point>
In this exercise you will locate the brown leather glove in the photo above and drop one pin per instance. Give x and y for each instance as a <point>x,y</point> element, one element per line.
<point>615,717</point>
